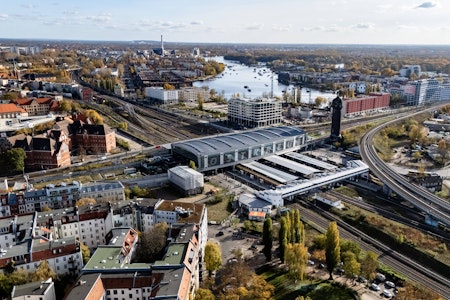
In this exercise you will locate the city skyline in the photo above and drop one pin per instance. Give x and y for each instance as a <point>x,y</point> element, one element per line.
<point>254,21</point>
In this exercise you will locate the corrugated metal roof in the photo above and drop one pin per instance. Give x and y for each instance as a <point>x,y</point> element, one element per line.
<point>233,141</point>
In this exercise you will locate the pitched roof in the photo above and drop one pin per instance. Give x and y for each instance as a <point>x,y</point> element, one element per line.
<point>9,108</point>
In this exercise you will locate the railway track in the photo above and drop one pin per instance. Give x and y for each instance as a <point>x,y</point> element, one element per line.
<point>398,262</point>
<point>390,215</point>
<point>161,126</point>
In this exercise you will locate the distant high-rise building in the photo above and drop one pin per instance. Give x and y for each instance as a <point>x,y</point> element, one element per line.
<point>196,52</point>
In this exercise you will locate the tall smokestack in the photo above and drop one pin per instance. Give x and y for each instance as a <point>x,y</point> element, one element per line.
<point>162,45</point>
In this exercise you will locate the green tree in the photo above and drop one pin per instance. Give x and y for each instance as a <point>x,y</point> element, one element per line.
<point>85,252</point>
<point>65,106</point>
<point>258,288</point>
<point>332,248</point>
<point>15,159</point>
<point>200,101</point>
<point>267,238</point>
<point>192,165</point>
<point>168,86</point>
<point>416,134</point>
<point>296,258</point>
<point>348,245</point>
<point>351,266</point>
<point>85,201</point>
<point>320,241</point>
<point>152,243</point>
<point>94,116</point>
<point>369,265</point>
<point>298,228</point>
<point>282,236</point>
<point>43,272</point>
<point>319,101</point>
<point>213,257</point>
<point>204,294</point>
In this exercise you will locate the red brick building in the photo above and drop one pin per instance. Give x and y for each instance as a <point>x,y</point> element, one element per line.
<point>42,152</point>
<point>92,138</point>
<point>366,104</point>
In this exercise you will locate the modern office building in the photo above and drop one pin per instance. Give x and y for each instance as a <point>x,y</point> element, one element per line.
<point>253,113</point>
<point>161,95</point>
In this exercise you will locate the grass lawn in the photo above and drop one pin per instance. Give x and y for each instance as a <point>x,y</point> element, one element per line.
<point>218,211</point>
<point>316,289</point>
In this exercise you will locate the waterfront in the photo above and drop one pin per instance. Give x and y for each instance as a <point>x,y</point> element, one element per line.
<point>252,82</point>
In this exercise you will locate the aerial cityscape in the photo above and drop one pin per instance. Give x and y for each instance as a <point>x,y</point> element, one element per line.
<point>288,151</point>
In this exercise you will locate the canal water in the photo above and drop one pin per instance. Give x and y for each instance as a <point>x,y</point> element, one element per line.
<point>253,82</point>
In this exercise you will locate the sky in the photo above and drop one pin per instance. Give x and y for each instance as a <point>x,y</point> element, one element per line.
<point>420,22</point>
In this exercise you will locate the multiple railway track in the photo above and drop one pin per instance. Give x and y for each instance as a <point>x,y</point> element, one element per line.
<point>398,262</point>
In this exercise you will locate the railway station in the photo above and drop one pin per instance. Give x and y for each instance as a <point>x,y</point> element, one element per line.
<point>228,150</point>
<point>267,157</point>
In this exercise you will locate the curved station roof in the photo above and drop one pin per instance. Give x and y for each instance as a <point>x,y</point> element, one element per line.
<point>234,141</point>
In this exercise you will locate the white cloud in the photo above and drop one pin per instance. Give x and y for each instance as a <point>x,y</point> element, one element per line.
<point>363,26</point>
<point>428,4</point>
<point>276,27</point>
<point>3,17</point>
<point>196,23</point>
<point>102,18</point>
<point>407,27</point>
<point>255,26</point>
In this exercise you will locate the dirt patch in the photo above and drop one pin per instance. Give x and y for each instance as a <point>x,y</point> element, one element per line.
<point>405,158</point>
<point>171,194</point>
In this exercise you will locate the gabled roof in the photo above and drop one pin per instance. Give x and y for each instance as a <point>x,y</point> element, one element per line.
<point>9,108</point>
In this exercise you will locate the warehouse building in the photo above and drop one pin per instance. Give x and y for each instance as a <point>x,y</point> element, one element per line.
<point>228,150</point>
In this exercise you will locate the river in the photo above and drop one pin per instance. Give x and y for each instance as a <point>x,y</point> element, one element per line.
<point>253,82</point>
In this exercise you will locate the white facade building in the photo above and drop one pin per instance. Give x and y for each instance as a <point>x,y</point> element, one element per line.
<point>191,94</point>
<point>252,113</point>
<point>161,95</point>
<point>37,290</point>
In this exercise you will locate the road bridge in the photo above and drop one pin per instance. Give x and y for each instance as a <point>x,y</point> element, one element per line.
<point>421,198</point>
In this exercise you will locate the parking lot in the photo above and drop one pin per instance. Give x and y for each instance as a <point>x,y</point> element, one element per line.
<point>232,239</point>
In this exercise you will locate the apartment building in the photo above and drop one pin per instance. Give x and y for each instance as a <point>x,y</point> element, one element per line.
<point>108,191</point>
<point>89,224</point>
<point>110,274</point>
<point>253,113</point>
<point>63,195</point>
<point>37,106</point>
<point>27,246</point>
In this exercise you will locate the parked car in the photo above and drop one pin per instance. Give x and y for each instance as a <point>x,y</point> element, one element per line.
<point>387,294</point>
<point>380,277</point>
<point>389,284</point>
<point>220,233</point>
<point>310,263</point>
<point>361,279</point>
<point>374,287</point>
